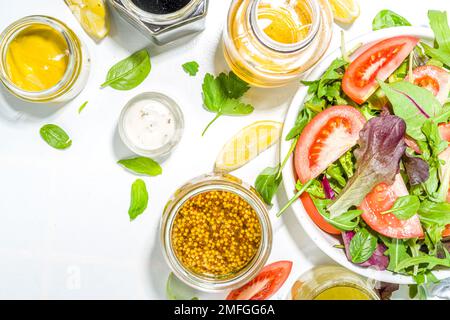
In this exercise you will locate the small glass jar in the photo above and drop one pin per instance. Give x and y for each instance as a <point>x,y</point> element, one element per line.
<point>77,71</point>
<point>316,281</point>
<point>216,182</point>
<point>264,62</point>
<point>164,28</point>
<point>170,107</point>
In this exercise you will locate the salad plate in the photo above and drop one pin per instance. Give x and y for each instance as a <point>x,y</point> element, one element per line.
<point>326,242</point>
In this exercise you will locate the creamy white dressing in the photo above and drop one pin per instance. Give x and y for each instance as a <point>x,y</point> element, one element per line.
<point>149,124</point>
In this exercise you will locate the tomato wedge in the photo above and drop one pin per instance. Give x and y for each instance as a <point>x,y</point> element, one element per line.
<point>325,139</point>
<point>376,63</point>
<point>435,79</point>
<point>265,284</point>
<point>444,130</point>
<point>382,198</point>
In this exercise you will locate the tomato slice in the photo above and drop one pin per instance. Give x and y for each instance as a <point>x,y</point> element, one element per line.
<point>435,79</point>
<point>315,215</point>
<point>376,63</point>
<point>325,139</point>
<point>444,130</point>
<point>382,198</point>
<point>265,284</point>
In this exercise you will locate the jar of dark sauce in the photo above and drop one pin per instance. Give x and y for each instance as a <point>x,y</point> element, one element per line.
<point>164,21</point>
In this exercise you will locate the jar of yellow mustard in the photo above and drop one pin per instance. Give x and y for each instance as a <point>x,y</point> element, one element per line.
<point>42,60</point>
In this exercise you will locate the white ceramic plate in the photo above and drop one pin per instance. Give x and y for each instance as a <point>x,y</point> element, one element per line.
<point>323,240</point>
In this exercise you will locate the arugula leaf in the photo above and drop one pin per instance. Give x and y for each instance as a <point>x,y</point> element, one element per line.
<point>381,145</point>
<point>129,72</point>
<point>405,207</point>
<point>82,107</point>
<point>221,94</point>
<point>191,68</point>
<point>55,136</point>
<point>304,117</point>
<point>139,199</point>
<point>142,165</point>
<point>397,251</point>
<point>430,261</point>
<point>267,183</point>
<point>345,222</point>
<point>178,290</point>
<point>362,246</point>
<point>439,25</point>
<point>334,72</point>
<point>387,19</point>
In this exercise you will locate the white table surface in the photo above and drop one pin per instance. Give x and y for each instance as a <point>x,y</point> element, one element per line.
<point>64,228</point>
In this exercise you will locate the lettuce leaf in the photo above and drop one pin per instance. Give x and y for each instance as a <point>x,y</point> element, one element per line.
<point>381,146</point>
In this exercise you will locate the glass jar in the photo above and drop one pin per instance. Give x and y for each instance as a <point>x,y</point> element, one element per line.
<point>199,185</point>
<point>76,73</point>
<point>313,285</point>
<point>164,28</point>
<point>262,61</point>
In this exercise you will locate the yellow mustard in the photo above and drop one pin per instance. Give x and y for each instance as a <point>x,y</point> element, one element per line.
<point>37,58</point>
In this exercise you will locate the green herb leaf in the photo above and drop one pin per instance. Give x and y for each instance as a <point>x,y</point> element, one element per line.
<point>432,213</point>
<point>388,19</point>
<point>303,118</point>
<point>142,165</point>
<point>362,246</point>
<point>405,207</point>
<point>267,183</point>
<point>55,136</point>
<point>348,221</point>
<point>82,107</point>
<point>178,290</point>
<point>439,25</point>
<point>139,199</point>
<point>191,68</point>
<point>430,262</point>
<point>130,72</point>
<point>397,252</point>
<point>221,94</point>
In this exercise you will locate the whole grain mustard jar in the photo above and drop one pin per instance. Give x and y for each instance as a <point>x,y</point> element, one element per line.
<point>269,43</point>
<point>216,233</point>
<point>42,60</point>
<point>164,21</point>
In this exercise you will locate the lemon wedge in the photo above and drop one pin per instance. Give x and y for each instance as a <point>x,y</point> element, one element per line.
<point>345,11</point>
<point>247,144</point>
<point>92,15</point>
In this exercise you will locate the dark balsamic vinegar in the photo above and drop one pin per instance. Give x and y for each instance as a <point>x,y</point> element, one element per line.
<point>161,6</point>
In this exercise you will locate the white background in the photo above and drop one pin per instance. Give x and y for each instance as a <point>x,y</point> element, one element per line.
<point>64,228</point>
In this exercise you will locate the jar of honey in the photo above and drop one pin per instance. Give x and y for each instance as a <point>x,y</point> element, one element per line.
<point>268,43</point>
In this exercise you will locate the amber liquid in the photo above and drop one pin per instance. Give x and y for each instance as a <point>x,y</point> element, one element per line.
<point>284,23</point>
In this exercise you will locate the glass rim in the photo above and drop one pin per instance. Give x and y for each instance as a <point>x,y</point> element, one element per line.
<point>13,30</point>
<point>162,19</point>
<point>205,183</point>
<point>283,47</point>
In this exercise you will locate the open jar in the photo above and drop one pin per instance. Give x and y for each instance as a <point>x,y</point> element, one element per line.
<point>270,43</point>
<point>164,21</point>
<point>216,233</point>
<point>42,60</point>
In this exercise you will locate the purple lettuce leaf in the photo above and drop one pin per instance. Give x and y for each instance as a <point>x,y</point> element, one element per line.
<point>385,289</point>
<point>381,146</point>
<point>329,193</point>
<point>417,169</point>
<point>378,260</point>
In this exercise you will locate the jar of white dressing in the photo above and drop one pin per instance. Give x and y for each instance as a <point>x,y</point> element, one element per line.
<point>151,124</point>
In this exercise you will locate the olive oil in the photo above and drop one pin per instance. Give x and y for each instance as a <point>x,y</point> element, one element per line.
<point>161,6</point>
<point>342,293</point>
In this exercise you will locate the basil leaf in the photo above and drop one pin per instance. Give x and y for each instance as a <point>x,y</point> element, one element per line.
<point>82,107</point>
<point>55,136</point>
<point>387,19</point>
<point>178,290</point>
<point>432,213</point>
<point>362,246</point>
<point>139,199</point>
<point>142,165</point>
<point>130,72</point>
<point>267,183</point>
<point>191,68</point>
<point>405,207</point>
